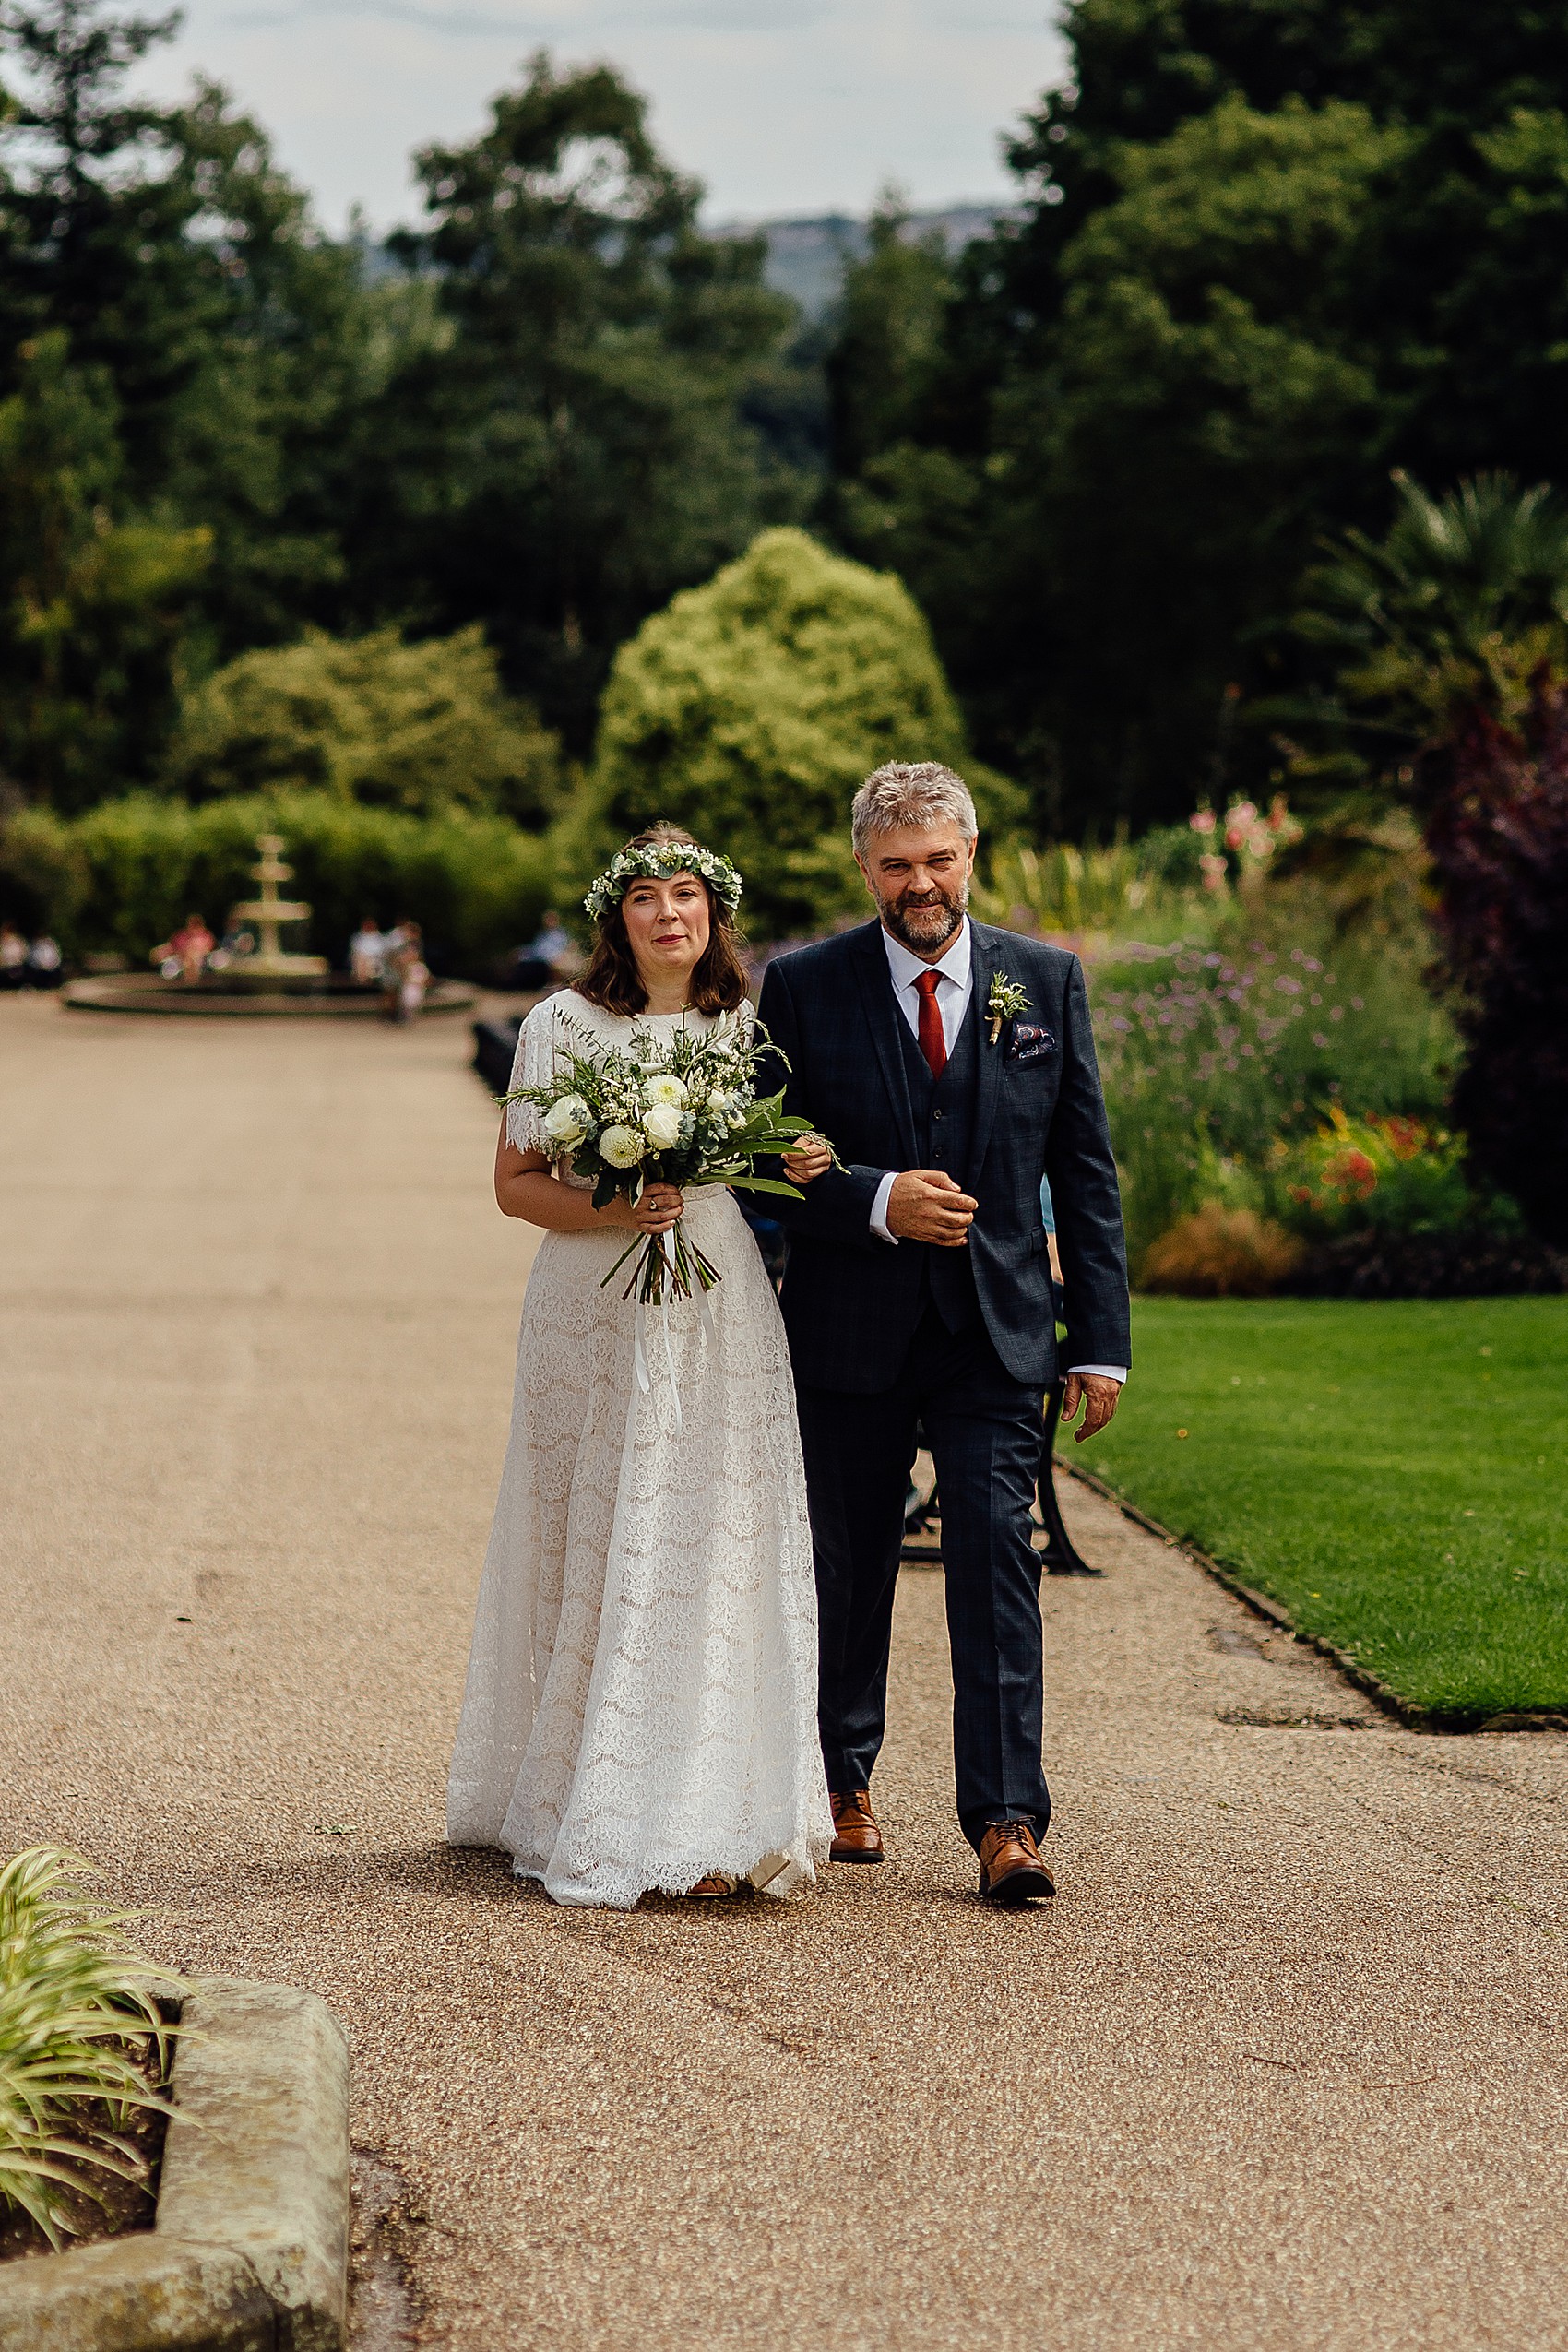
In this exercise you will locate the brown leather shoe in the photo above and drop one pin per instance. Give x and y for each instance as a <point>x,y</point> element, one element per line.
<point>856,1835</point>
<point>1011,1870</point>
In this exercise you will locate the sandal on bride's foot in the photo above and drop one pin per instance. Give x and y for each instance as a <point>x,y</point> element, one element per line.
<point>711,1889</point>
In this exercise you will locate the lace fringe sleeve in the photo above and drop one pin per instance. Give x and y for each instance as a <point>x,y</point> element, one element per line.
<point>534,1065</point>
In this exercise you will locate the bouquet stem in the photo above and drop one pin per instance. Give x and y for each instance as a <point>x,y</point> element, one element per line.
<point>670,1265</point>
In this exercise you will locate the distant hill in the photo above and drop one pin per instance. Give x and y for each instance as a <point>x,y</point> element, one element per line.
<point>806,258</point>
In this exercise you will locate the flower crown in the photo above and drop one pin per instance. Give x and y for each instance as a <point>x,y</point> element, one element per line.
<point>656,863</point>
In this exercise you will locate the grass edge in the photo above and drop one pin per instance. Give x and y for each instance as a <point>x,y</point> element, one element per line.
<point>1410,1713</point>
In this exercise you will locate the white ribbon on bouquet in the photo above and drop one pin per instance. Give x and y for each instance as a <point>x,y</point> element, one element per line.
<point>639,1333</point>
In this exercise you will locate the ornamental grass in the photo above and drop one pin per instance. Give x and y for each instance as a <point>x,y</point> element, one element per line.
<point>82,2039</point>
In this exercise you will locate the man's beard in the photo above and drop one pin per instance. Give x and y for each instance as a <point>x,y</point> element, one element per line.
<point>934,921</point>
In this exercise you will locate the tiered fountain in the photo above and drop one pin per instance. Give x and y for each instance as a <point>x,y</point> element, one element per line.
<point>268,961</point>
<point>263,979</point>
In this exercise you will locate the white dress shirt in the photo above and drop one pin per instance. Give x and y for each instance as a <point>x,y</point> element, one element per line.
<point>955,971</point>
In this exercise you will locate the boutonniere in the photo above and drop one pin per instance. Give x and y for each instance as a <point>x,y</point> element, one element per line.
<point>1005,1002</point>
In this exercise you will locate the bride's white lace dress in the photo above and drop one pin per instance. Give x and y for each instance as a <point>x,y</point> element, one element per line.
<point>641,1699</point>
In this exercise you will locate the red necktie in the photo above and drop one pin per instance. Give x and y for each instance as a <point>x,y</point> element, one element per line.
<point>933,1045</point>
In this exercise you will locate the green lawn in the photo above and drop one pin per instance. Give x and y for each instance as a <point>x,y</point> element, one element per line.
<point>1395,1474</point>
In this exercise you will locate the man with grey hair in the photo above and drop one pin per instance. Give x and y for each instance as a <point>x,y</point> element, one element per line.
<point>954,1067</point>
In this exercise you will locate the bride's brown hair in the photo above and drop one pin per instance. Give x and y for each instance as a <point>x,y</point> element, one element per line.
<point>613,980</point>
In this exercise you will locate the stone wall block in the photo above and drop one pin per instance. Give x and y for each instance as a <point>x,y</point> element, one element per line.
<point>258,2156</point>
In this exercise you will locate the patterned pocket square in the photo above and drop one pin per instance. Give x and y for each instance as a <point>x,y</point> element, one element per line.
<point>1029,1042</point>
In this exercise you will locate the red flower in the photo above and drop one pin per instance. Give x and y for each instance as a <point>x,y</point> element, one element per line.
<point>1404,1138</point>
<point>1352,1174</point>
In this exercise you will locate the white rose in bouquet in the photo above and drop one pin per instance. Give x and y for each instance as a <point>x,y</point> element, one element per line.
<point>622,1146</point>
<point>667,1088</point>
<point>662,1125</point>
<point>568,1121</point>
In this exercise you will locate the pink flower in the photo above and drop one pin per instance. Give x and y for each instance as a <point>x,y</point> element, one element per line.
<point>1201,820</point>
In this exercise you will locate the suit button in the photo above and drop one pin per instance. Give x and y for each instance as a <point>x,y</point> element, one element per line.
<point>937,1114</point>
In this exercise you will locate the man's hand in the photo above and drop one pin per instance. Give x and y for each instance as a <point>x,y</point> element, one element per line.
<point>925,1205</point>
<point>1098,1396</point>
<point>812,1157</point>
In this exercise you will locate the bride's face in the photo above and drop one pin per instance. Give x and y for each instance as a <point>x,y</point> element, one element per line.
<point>667,923</point>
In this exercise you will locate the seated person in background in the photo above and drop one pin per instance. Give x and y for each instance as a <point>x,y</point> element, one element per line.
<point>13,956</point>
<point>44,962</point>
<point>366,950</point>
<point>236,944</point>
<point>183,954</point>
<point>546,960</point>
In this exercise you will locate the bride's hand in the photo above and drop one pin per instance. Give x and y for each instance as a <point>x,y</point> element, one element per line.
<point>813,1157</point>
<point>656,1212</point>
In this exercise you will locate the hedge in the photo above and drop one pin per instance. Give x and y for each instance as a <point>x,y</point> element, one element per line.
<point>119,877</point>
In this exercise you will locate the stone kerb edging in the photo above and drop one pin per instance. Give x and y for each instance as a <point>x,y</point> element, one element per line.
<point>250,2250</point>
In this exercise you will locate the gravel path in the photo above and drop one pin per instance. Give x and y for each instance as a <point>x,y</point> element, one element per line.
<point>1283,2065</point>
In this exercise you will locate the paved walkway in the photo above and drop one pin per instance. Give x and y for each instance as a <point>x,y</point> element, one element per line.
<point>1283,2065</point>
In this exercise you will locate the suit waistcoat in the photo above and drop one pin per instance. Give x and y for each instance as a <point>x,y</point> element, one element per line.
<point>945,1118</point>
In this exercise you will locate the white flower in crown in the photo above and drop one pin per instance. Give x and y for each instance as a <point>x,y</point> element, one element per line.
<point>662,1124</point>
<point>568,1121</point>
<point>656,863</point>
<point>622,1146</point>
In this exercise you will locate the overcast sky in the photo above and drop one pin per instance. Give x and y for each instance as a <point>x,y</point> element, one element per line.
<point>780,106</point>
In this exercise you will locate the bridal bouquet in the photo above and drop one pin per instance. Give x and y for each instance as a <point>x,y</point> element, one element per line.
<point>683,1109</point>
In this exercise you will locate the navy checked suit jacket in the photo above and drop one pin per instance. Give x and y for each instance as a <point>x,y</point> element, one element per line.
<point>851,1301</point>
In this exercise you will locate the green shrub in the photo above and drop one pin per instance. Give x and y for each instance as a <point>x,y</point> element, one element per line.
<point>1062,889</point>
<point>121,875</point>
<point>751,709</point>
<point>78,2010</point>
<point>1377,1174</point>
<point>424,728</point>
<point>1213,1055</point>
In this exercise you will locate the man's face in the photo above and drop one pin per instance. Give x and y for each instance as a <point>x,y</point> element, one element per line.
<point>918,874</point>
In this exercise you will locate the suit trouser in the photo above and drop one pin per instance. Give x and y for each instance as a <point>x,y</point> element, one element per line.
<point>985,1432</point>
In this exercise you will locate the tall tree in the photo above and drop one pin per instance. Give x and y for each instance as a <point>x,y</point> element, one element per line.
<point>1270,250</point>
<point>91,609</point>
<point>571,450</point>
<point>184,268</point>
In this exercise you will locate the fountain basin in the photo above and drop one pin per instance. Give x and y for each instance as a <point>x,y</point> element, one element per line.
<point>330,996</point>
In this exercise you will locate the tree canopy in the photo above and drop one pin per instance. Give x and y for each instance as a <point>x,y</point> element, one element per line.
<point>540,412</point>
<point>569,449</point>
<point>424,728</point>
<point>1270,254</point>
<point>1270,251</point>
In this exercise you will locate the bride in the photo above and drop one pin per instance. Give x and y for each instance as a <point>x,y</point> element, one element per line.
<point>641,1702</point>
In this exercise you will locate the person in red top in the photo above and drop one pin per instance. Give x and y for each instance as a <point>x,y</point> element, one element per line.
<point>184,954</point>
